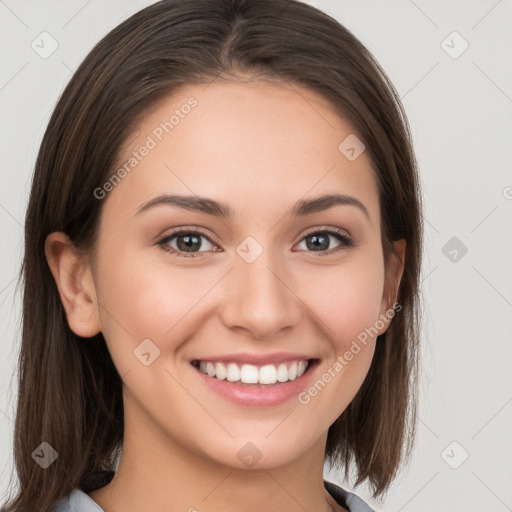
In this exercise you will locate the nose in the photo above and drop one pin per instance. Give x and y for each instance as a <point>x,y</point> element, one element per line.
<point>259,298</point>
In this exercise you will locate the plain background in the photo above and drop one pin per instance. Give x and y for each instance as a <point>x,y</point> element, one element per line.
<point>460,111</point>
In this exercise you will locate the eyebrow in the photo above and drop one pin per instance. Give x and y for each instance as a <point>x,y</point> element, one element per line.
<point>301,208</point>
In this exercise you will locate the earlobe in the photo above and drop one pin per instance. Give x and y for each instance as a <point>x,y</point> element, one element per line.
<point>393,279</point>
<point>75,284</point>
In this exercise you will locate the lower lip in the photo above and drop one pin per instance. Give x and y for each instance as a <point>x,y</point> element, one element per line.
<point>255,395</point>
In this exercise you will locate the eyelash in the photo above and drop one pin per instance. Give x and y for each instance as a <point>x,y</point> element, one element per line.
<point>345,241</point>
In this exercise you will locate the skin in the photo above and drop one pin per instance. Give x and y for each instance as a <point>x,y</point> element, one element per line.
<point>259,147</point>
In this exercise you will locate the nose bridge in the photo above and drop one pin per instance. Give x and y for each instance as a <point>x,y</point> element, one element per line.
<point>260,299</point>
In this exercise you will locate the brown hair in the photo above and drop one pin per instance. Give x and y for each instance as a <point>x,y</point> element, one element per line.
<point>69,391</point>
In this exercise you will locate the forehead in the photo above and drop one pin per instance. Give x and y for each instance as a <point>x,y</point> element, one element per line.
<point>244,143</point>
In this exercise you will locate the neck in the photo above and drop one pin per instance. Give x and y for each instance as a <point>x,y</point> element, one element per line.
<point>158,473</point>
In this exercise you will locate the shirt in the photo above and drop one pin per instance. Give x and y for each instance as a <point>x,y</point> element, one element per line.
<point>79,501</point>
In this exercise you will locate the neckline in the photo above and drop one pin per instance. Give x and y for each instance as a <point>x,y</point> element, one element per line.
<point>339,494</point>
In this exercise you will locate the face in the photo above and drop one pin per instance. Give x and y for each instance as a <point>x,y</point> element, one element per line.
<point>272,285</point>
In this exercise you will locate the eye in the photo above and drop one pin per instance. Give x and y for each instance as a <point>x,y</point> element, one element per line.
<point>318,241</point>
<point>187,241</point>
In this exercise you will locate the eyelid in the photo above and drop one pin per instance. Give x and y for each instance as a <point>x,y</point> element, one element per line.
<point>328,229</point>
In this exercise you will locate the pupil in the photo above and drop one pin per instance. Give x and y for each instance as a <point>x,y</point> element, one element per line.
<point>315,245</point>
<point>189,242</point>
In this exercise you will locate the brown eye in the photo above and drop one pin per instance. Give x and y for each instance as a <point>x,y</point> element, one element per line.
<point>320,241</point>
<point>187,243</point>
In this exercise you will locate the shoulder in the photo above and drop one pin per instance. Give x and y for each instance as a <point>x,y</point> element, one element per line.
<point>347,499</point>
<point>77,501</point>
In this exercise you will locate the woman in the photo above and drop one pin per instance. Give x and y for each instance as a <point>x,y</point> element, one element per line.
<point>221,270</point>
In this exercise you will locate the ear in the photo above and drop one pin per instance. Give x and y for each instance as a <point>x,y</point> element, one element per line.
<point>74,281</point>
<point>394,271</point>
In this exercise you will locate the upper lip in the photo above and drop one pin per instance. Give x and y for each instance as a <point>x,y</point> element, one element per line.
<point>255,359</point>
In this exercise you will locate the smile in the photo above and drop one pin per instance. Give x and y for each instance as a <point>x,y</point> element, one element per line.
<point>247,384</point>
<point>251,374</point>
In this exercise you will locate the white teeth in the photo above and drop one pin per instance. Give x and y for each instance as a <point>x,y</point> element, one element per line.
<point>210,369</point>
<point>282,373</point>
<point>249,374</point>
<point>292,371</point>
<point>268,374</point>
<point>252,374</point>
<point>233,373</point>
<point>221,371</point>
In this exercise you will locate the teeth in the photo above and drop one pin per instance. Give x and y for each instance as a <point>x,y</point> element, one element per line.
<point>221,371</point>
<point>251,374</point>
<point>283,373</point>
<point>292,371</point>
<point>268,374</point>
<point>233,373</point>
<point>210,369</point>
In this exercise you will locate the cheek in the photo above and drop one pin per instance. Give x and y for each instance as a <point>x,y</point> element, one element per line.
<point>345,302</point>
<point>144,298</point>
<point>347,299</point>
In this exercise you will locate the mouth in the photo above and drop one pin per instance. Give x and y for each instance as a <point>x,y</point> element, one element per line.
<point>256,376</point>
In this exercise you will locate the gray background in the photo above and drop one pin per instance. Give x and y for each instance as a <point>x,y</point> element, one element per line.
<point>459,107</point>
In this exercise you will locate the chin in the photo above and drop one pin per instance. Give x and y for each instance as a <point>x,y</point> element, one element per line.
<point>264,452</point>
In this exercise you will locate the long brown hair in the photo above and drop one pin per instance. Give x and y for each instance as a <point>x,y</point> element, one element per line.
<point>69,391</point>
